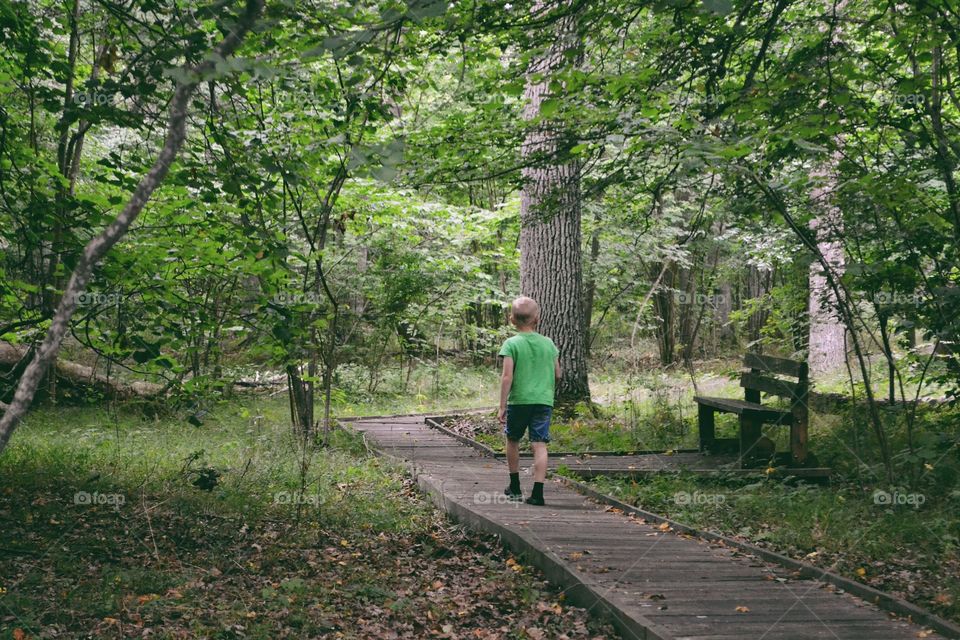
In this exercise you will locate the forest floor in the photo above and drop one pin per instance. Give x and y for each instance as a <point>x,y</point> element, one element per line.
<point>118,526</point>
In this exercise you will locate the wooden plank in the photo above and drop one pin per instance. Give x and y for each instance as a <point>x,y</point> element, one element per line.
<point>773,386</point>
<point>812,473</point>
<point>770,364</point>
<point>798,435</point>
<point>730,405</point>
<point>750,435</point>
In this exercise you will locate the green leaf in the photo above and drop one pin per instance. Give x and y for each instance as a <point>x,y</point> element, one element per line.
<point>549,107</point>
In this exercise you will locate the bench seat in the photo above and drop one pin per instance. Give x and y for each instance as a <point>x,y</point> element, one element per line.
<point>748,409</point>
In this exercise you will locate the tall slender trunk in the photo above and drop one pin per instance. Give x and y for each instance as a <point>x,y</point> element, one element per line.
<point>664,299</point>
<point>827,350</point>
<point>590,285</point>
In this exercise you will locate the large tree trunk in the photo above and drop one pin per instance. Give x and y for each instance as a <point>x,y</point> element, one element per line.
<point>551,269</point>
<point>827,344</point>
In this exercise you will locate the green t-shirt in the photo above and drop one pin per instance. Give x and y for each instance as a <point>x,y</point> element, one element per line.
<point>533,368</point>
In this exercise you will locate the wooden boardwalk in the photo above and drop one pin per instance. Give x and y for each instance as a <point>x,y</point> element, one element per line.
<point>651,581</point>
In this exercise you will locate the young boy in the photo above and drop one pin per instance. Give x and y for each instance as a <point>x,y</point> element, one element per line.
<point>530,372</point>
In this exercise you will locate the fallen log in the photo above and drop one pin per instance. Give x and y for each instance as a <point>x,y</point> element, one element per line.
<point>833,403</point>
<point>77,378</point>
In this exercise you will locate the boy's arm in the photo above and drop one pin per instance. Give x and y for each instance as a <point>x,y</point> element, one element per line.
<point>556,370</point>
<point>506,381</point>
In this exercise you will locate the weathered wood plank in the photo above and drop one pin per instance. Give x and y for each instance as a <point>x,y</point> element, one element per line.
<point>772,364</point>
<point>774,386</point>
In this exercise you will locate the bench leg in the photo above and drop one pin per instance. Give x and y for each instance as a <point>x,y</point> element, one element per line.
<point>798,438</point>
<point>750,433</point>
<point>706,427</point>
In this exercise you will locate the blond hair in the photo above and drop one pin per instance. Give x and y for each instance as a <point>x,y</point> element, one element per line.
<point>525,312</point>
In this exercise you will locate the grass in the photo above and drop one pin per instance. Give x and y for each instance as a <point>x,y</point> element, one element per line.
<point>585,434</point>
<point>110,531</point>
<point>429,388</point>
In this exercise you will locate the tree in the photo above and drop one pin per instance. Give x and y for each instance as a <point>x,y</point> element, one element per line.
<point>827,346</point>
<point>551,268</point>
<point>189,77</point>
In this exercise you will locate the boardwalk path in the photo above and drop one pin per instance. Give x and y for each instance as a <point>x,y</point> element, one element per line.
<point>653,583</point>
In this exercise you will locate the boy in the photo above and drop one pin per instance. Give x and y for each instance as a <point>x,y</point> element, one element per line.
<point>530,372</point>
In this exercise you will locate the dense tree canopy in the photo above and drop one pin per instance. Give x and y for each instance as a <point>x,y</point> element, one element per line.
<point>349,186</point>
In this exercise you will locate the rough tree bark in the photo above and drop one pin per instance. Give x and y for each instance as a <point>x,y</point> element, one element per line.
<point>102,243</point>
<point>827,340</point>
<point>551,267</point>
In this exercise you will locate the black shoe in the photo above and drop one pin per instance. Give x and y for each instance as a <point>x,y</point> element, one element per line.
<point>535,501</point>
<point>513,495</point>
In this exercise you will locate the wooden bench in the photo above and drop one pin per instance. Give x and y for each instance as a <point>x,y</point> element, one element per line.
<point>760,376</point>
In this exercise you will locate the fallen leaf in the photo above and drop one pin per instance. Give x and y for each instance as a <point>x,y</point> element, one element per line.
<point>742,609</point>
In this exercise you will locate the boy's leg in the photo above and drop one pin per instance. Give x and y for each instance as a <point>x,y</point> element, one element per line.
<point>539,437</point>
<point>513,455</point>
<point>513,463</point>
<point>539,461</point>
<point>513,431</point>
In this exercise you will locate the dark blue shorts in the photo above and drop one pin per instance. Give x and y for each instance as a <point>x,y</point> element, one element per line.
<point>536,417</point>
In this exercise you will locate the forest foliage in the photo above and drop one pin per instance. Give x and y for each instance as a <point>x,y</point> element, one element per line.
<point>348,190</point>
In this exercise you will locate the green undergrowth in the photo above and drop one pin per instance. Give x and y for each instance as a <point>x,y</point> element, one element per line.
<point>118,526</point>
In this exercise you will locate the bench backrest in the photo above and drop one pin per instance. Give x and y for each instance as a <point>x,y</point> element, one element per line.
<point>761,377</point>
